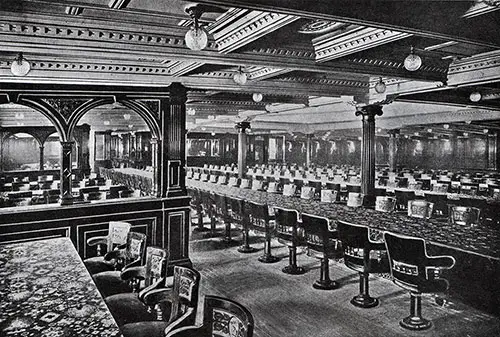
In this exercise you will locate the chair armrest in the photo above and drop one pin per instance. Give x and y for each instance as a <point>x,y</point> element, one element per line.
<point>443,262</point>
<point>186,331</point>
<point>97,240</point>
<point>114,255</point>
<point>155,296</point>
<point>133,272</point>
<point>183,319</point>
<point>135,263</point>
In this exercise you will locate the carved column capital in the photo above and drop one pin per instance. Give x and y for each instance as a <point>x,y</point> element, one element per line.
<point>242,126</point>
<point>369,111</point>
<point>178,93</point>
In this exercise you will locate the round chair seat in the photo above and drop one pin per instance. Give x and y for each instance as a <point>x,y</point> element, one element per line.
<point>144,329</point>
<point>127,308</point>
<point>110,283</point>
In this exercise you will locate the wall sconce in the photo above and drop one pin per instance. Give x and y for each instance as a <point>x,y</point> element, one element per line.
<point>20,66</point>
<point>257,97</point>
<point>196,37</point>
<point>412,62</point>
<point>106,122</point>
<point>475,96</point>
<point>240,77</point>
<point>130,126</point>
<point>446,126</point>
<point>126,117</point>
<point>380,86</point>
<point>485,131</point>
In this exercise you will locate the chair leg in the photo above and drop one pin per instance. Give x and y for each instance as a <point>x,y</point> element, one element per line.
<point>415,321</point>
<point>364,300</point>
<point>292,268</point>
<point>246,248</point>
<point>227,238</point>
<point>200,227</point>
<point>268,257</point>
<point>324,282</point>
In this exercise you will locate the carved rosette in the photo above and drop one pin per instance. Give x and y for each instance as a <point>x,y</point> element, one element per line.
<point>65,107</point>
<point>242,126</point>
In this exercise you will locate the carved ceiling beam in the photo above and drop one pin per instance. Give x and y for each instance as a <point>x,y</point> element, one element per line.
<point>98,44</point>
<point>262,73</point>
<point>478,69</point>
<point>351,40</point>
<point>238,27</point>
<point>392,15</point>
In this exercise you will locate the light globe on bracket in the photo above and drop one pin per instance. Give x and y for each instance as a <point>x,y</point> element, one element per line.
<point>240,77</point>
<point>196,37</point>
<point>257,97</point>
<point>412,62</point>
<point>380,86</point>
<point>20,66</point>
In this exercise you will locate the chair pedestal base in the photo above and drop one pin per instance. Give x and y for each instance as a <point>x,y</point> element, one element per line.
<point>415,323</point>
<point>364,301</point>
<point>247,249</point>
<point>268,258</point>
<point>200,229</point>
<point>325,285</point>
<point>293,270</point>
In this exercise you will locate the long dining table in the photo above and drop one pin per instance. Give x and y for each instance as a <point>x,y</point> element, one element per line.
<point>476,275</point>
<point>46,290</point>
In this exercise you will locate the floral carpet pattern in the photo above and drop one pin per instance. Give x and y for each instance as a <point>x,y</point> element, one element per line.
<point>45,290</point>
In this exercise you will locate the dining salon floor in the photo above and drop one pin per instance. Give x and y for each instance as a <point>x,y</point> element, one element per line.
<point>288,305</point>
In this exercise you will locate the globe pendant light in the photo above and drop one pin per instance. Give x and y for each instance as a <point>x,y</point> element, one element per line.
<point>412,62</point>
<point>380,86</point>
<point>240,77</point>
<point>196,37</point>
<point>257,97</point>
<point>20,67</point>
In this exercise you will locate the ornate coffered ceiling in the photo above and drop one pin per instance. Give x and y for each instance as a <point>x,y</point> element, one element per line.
<point>293,52</point>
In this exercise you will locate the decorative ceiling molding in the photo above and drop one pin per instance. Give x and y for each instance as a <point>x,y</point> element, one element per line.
<point>319,26</point>
<point>74,10</point>
<point>262,73</point>
<point>482,68</point>
<point>352,40</point>
<point>179,68</point>
<point>482,7</point>
<point>118,4</point>
<point>238,27</point>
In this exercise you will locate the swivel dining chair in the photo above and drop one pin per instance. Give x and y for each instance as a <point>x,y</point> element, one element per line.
<point>158,306</point>
<point>222,213</point>
<point>132,279</point>
<point>412,269</point>
<point>323,244</point>
<point>365,255</point>
<point>289,232</point>
<point>240,218</point>
<point>462,215</point>
<point>221,317</point>
<point>260,221</point>
<point>117,236</point>
<point>419,208</point>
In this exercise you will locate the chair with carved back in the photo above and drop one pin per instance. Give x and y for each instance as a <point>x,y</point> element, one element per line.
<point>307,193</point>
<point>221,317</point>
<point>419,208</point>
<point>289,190</point>
<point>260,221</point>
<point>440,201</point>
<point>288,231</point>
<point>117,236</point>
<point>125,256</point>
<point>385,204</point>
<point>222,212</point>
<point>402,198</point>
<point>128,306</point>
<point>208,203</point>
<point>323,244</point>
<point>240,218</point>
<point>463,215</point>
<point>365,254</point>
<point>414,270</point>
<point>166,308</point>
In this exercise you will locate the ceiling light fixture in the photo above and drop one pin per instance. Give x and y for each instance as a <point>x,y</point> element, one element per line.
<point>412,62</point>
<point>126,117</point>
<point>486,130</point>
<point>240,77</point>
<point>380,86</point>
<point>196,37</point>
<point>20,66</point>
<point>446,126</point>
<point>257,97</point>
<point>475,96</point>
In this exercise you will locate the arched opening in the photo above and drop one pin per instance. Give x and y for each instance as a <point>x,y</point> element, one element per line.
<point>20,152</point>
<point>119,149</point>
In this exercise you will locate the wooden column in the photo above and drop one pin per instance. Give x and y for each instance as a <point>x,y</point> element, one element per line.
<point>154,164</point>
<point>368,114</point>
<point>393,149</point>
<point>41,157</point>
<point>242,148</point>
<point>173,147</point>
<point>66,185</point>
<point>308,150</point>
